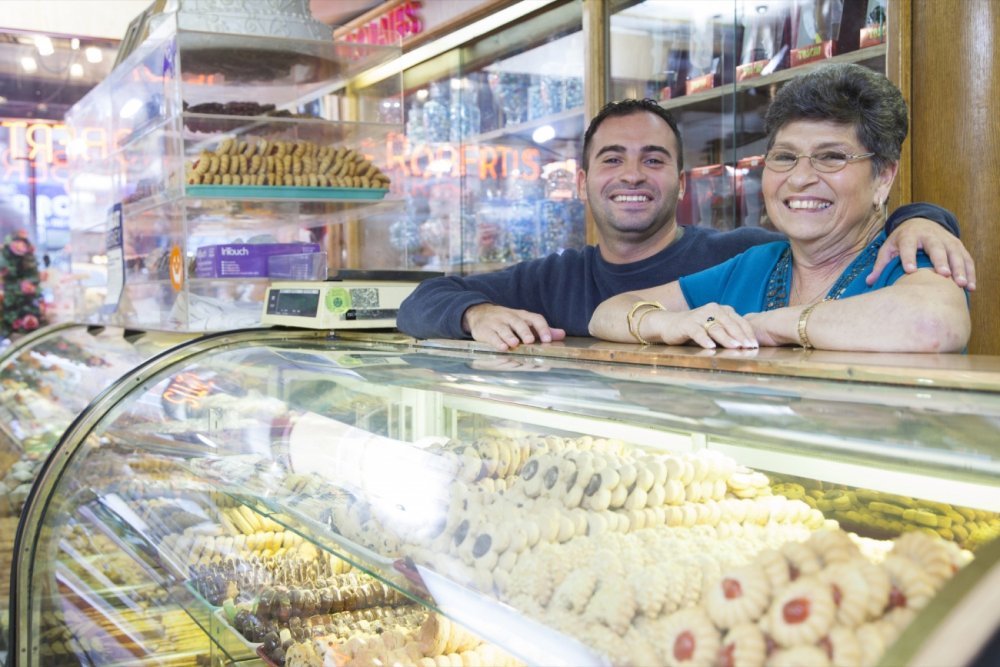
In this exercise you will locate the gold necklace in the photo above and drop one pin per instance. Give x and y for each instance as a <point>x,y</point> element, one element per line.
<point>815,298</point>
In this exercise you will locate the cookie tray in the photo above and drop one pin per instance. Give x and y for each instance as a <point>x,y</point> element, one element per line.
<point>282,192</point>
<point>506,627</point>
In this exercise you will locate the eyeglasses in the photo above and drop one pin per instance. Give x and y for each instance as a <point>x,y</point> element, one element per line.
<point>825,161</point>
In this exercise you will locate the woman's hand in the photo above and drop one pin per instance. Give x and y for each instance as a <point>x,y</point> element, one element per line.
<point>708,326</point>
<point>774,328</point>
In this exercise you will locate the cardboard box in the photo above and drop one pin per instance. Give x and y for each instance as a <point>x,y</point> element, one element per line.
<point>243,260</point>
<point>750,199</point>
<point>767,34</point>
<point>712,190</point>
<point>812,53</point>
<point>872,35</point>
<point>699,83</point>
<point>750,70</point>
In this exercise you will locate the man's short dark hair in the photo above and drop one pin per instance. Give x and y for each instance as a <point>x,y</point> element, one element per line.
<point>627,107</point>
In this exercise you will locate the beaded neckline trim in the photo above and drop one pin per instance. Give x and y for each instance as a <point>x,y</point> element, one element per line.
<point>780,281</point>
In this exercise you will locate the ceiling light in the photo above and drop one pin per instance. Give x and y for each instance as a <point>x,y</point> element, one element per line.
<point>44,45</point>
<point>28,64</point>
<point>94,54</point>
<point>76,70</point>
<point>543,134</point>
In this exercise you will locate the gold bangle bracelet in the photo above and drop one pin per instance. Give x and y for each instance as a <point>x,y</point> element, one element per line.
<point>803,323</point>
<point>633,324</point>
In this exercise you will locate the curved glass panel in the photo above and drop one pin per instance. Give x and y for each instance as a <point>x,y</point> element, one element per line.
<point>44,384</point>
<point>363,501</point>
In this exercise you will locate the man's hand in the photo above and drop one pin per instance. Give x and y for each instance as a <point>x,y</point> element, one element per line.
<point>949,256</point>
<point>506,328</point>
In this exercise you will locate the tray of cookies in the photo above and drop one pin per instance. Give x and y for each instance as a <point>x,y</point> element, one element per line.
<point>268,164</point>
<point>283,192</point>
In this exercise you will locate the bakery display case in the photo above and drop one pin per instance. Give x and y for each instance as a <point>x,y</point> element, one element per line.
<point>295,498</point>
<point>211,149</point>
<point>46,380</point>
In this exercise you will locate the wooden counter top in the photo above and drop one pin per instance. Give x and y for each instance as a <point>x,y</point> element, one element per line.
<point>970,372</point>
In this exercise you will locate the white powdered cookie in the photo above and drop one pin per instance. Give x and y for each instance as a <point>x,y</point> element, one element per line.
<point>802,613</point>
<point>689,639</point>
<point>739,596</point>
<point>743,646</point>
<point>842,647</point>
<point>911,588</point>
<point>799,656</point>
<point>850,591</point>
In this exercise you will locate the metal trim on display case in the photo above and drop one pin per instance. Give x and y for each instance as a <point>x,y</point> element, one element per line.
<point>966,607</point>
<point>36,504</point>
<point>16,346</point>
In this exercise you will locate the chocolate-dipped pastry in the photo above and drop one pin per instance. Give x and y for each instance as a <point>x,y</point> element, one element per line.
<point>284,604</point>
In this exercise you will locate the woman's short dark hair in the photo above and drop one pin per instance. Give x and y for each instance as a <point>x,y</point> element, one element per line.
<point>627,107</point>
<point>847,94</point>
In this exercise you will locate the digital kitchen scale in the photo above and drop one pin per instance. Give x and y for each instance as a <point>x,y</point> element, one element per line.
<point>351,299</point>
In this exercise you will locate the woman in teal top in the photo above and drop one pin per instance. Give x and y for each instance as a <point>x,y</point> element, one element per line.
<point>834,140</point>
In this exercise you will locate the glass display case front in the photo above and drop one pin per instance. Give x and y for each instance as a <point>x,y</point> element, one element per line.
<point>307,500</point>
<point>46,380</point>
<point>206,154</point>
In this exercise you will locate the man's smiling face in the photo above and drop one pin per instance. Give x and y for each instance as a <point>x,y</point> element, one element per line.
<point>632,182</point>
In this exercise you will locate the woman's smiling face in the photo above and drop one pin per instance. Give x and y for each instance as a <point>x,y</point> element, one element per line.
<point>807,204</point>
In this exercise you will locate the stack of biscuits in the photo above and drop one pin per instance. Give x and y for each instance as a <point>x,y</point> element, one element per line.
<point>288,163</point>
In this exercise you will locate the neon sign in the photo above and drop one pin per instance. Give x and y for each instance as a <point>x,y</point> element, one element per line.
<point>395,24</point>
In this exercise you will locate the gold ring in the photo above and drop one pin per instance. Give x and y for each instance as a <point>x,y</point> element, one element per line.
<point>709,323</point>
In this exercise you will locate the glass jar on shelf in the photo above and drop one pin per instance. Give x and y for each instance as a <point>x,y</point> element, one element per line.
<point>553,93</point>
<point>437,122</point>
<point>536,100</point>
<point>464,112</point>
<point>511,89</point>
<point>415,122</point>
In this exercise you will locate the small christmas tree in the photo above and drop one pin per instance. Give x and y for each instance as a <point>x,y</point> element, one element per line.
<point>21,301</point>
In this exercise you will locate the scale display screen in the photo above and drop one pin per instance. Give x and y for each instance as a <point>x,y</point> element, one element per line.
<point>293,302</point>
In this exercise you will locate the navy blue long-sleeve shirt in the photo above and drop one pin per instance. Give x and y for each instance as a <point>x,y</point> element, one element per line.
<point>566,288</point>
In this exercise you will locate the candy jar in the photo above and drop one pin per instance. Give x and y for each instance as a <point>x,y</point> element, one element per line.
<point>513,91</point>
<point>553,93</point>
<point>536,100</point>
<point>415,123</point>
<point>437,126</point>
<point>464,114</point>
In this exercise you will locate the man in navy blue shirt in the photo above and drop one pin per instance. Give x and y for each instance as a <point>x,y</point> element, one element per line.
<point>632,179</point>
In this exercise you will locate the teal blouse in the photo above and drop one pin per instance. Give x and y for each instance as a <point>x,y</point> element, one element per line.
<point>759,279</point>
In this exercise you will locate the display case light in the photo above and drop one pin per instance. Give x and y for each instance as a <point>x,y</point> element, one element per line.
<point>94,54</point>
<point>44,45</point>
<point>76,70</point>
<point>442,166</point>
<point>28,64</point>
<point>130,108</point>
<point>74,44</point>
<point>543,134</point>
